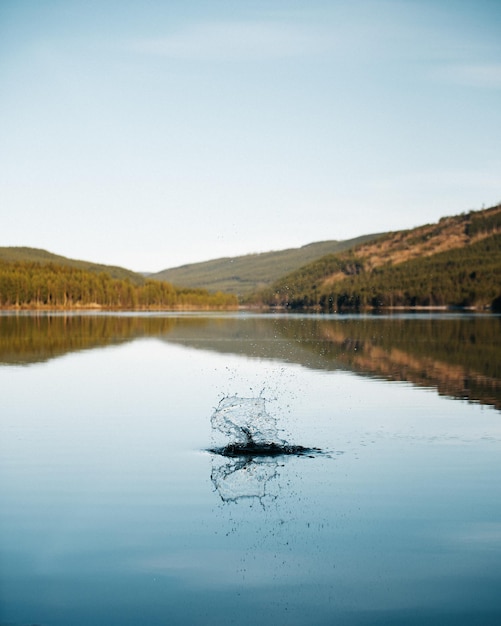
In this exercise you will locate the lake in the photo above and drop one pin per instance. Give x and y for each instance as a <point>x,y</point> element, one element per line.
<point>114,511</point>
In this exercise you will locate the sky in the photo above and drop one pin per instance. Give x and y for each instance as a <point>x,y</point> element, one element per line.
<point>151,134</point>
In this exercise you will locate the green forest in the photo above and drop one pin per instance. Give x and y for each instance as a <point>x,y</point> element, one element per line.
<point>26,284</point>
<point>464,277</point>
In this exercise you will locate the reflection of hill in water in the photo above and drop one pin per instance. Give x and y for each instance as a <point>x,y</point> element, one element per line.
<point>26,339</point>
<point>459,355</point>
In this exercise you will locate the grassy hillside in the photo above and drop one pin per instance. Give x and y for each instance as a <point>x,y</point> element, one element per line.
<point>36,255</point>
<point>245,274</point>
<point>456,261</point>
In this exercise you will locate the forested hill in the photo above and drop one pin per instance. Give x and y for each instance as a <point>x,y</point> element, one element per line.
<point>243,275</point>
<point>43,257</point>
<point>455,262</point>
<point>35,285</point>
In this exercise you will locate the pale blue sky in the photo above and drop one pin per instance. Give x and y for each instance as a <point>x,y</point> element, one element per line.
<point>152,134</point>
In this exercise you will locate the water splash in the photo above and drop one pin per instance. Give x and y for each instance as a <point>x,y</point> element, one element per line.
<point>250,429</point>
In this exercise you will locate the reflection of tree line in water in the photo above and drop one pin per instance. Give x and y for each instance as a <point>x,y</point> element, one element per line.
<point>459,355</point>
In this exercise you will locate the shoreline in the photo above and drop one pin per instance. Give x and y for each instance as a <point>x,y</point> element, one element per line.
<point>251,308</point>
<point>98,307</point>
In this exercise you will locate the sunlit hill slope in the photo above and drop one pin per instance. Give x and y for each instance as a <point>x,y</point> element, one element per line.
<point>455,262</point>
<point>43,257</point>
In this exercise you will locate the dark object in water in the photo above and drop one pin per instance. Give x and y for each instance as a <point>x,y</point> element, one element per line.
<point>252,449</point>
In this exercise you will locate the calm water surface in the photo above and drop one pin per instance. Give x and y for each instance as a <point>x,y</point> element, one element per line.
<point>112,511</point>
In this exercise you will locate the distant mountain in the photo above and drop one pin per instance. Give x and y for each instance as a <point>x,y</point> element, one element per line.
<point>455,262</point>
<point>243,275</point>
<point>36,255</point>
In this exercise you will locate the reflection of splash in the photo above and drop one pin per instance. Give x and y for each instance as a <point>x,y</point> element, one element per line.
<point>247,466</point>
<point>240,478</point>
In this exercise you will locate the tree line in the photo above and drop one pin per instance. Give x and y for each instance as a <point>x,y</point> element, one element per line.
<point>33,285</point>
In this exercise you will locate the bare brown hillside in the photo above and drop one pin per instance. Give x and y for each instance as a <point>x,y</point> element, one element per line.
<point>449,233</point>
